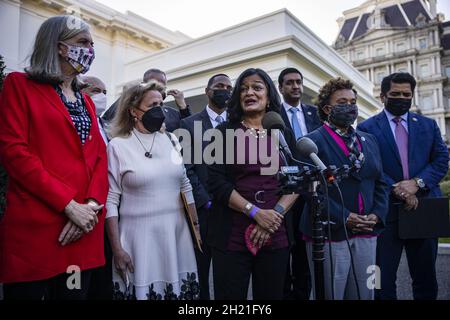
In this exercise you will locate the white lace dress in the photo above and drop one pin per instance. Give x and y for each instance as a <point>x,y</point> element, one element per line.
<point>145,194</point>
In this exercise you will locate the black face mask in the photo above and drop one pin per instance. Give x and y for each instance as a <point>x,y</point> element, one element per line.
<point>398,106</point>
<point>343,115</point>
<point>220,97</point>
<point>153,119</point>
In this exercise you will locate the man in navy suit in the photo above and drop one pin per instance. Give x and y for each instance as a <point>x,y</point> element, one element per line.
<point>301,119</point>
<point>173,117</point>
<point>218,92</point>
<point>415,159</point>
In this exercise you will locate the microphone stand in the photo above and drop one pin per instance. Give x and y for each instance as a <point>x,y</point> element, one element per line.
<point>312,178</point>
<point>318,242</point>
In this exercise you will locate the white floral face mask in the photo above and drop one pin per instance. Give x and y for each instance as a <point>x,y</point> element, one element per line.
<point>80,58</point>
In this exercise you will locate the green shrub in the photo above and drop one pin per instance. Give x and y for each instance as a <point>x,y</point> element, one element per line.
<point>445,187</point>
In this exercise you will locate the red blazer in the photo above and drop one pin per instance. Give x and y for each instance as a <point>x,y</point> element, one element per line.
<point>47,167</point>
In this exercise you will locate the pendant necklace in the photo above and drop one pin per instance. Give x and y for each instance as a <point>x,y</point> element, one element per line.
<point>148,153</point>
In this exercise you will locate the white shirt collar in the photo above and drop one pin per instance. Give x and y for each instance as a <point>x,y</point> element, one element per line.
<point>287,106</point>
<point>213,115</point>
<point>390,116</point>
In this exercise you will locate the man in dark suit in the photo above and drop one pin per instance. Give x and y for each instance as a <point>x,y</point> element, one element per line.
<point>301,119</point>
<point>415,159</point>
<point>173,117</point>
<point>218,92</point>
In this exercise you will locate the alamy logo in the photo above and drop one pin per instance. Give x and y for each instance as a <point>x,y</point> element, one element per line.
<point>74,278</point>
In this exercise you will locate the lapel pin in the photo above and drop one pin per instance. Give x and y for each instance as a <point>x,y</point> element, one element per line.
<point>309,113</point>
<point>363,139</point>
<point>415,119</point>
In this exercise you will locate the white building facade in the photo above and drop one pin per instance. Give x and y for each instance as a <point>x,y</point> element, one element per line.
<point>118,38</point>
<point>127,45</point>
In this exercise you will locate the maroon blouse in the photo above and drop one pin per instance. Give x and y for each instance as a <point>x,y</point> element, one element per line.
<point>253,186</point>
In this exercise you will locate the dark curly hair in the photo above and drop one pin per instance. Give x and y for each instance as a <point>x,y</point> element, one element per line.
<point>333,85</point>
<point>235,111</point>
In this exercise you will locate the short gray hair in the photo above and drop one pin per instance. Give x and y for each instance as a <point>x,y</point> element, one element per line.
<point>44,63</point>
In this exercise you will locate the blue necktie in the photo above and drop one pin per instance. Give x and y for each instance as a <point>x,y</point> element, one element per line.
<point>295,124</point>
<point>219,119</point>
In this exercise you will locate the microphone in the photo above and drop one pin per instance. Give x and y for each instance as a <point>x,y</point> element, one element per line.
<point>273,120</point>
<point>308,149</point>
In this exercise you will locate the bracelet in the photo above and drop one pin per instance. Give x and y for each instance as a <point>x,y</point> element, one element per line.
<point>253,212</point>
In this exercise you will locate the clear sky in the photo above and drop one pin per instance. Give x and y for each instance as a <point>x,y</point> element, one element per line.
<point>199,17</point>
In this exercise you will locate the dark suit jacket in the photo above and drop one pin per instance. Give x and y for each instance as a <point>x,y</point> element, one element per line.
<point>312,120</point>
<point>368,181</point>
<point>173,117</point>
<point>427,153</point>
<point>197,173</point>
<point>221,183</point>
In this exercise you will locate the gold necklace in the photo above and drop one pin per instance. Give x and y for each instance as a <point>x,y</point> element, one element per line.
<point>258,134</point>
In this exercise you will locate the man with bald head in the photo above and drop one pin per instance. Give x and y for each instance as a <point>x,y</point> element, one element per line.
<point>173,117</point>
<point>96,89</point>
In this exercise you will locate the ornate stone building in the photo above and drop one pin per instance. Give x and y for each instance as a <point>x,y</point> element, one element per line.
<point>384,36</point>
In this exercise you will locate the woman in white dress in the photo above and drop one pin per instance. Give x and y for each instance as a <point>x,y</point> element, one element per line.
<point>153,251</point>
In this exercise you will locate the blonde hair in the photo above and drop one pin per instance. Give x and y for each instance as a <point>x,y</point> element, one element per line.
<point>123,121</point>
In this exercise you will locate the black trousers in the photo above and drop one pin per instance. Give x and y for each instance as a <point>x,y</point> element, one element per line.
<point>232,270</point>
<point>55,288</point>
<point>203,259</point>
<point>421,255</point>
<point>101,287</point>
<point>298,278</point>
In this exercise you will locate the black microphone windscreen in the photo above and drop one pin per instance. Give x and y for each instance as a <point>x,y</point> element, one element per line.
<point>306,146</point>
<point>272,120</point>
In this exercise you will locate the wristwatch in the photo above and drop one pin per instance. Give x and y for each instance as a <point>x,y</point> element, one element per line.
<point>279,208</point>
<point>420,183</point>
<point>248,207</point>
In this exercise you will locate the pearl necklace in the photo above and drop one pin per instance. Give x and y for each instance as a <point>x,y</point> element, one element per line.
<point>258,134</point>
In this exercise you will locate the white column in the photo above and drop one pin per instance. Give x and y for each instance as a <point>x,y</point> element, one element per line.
<point>409,66</point>
<point>433,66</point>
<point>372,76</point>
<point>438,65</point>
<point>440,98</point>
<point>10,35</point>
<point>435,99</point>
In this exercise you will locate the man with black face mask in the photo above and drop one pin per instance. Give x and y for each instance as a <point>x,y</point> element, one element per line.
<point>415,159</point>
<point>218,92</point>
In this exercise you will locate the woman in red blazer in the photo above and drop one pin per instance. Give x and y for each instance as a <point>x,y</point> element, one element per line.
<point>50,145</point>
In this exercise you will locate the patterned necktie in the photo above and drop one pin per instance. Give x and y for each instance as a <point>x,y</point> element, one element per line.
<point>295,124</point>
<point>219,119</point>
<point>401,138</point>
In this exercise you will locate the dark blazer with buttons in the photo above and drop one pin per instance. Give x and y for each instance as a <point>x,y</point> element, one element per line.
<point>173,117</point>
<point>312,122</point>
<point>368,181</point>
<point>427,153</point>
<point>197,173</point>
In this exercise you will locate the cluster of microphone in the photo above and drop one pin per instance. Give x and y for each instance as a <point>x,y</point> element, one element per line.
<point>305,146</point>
